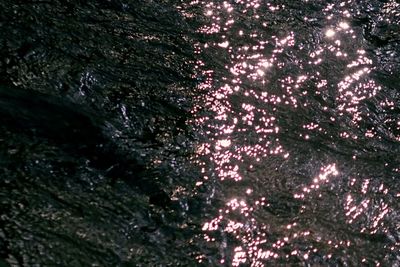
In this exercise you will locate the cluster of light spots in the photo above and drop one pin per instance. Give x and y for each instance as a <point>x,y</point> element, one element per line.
<point>231,126</point>
<point>213,28</point>
<point>361,60</point>
<point>365,209</point>
<point>353,211</point>
<point>228,6</point>
<point>227,221</point>
<point>266,254</point>
<point>391,7</point>
<point>330,33</point>
<point>239,256</point>
<point>356,87</point>
<point>228,151</point>
<point>312,126</point>
<point>261,73</point>
<point>241,206</point>
<point>200,258</point>
<point>287,41</point>
<point>258,255</point>
<point>222,144</point>
<point>323,177</point>
<point>212,225</point>
<point>392,123</point>
<point>275,8</point>
<point>350,97</point>
<point>344,25</point>
<point>249,4</point>
<point>253,66</point>
<point>316,55</point>
<point>203,149</point>
<point>224,168</point>
<point>224,44</point>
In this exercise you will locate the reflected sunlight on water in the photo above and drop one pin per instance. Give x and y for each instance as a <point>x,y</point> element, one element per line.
<point>286,84</point>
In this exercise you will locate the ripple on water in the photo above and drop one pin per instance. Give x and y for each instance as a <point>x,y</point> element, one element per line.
<point>298,122</point>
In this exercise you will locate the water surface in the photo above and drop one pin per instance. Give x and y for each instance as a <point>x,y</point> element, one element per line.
<point>300,131</point>
<point>200,133</point>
